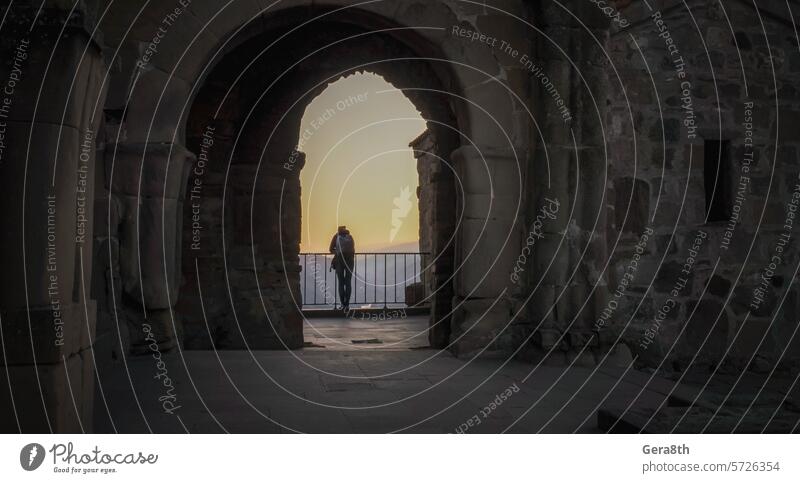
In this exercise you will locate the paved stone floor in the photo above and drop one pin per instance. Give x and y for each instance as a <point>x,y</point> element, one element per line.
<point>362,388</point>
<point>339,386</point>
<point>334,333</point>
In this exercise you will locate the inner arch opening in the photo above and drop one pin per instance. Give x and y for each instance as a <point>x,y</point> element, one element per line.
<point>360,170</point>
<point>265,203</point>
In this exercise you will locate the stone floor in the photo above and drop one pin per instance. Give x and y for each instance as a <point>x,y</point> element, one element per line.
<point>361,333</point>
<point>363,388</point>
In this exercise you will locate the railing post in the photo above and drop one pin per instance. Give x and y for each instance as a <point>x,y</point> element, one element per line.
<point>355,278</point>
<point>405,277</point>
<point>305,285</point>
<point>335,289</point>
<point>316,277</point>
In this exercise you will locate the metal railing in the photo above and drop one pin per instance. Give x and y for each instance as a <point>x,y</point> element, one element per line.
<point>379,279</point>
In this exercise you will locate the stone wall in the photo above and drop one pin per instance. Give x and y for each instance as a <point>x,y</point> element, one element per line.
<point>659,166</point>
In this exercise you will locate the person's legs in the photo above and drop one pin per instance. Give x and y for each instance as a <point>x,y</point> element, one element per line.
<point>348,287</point>
<point>348,282</point>
<point>341,273</point>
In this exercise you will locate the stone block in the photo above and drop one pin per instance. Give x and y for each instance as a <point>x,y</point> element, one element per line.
<point>164,327</point>
<point>550,260</point>
<point>490,106</point>
<point>112,341</point>
<point>486,171</point>
<point>70,89</point>
<point>45,335</point>
<point>221,19</point>
<point>476,323</point>
<point>632,204</point>
<point>187,40</point>
<point>482,207</point>
<point>155,109</point>
<point>707,332</point>
<point>106,216</point>
<point>479,60</point>
<point>756,336</point>
<point>414,294</point>
<point>148,170</point>
<point>48,397</point>
<point>489,253</point>
<point>719,286</point>
<point>150,262</point>
<point>579,306</point>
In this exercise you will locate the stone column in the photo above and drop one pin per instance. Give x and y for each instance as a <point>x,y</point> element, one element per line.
<point>573,290</point>
<point>147,183</point>
<point>437,222</point>
<point>492,167</point>
<point>47,159</point>
<point>488,246</point>
<point>263,207</point>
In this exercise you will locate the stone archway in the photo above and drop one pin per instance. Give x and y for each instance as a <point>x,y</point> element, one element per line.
<point>143,166</point>
<point>242,126</point>
<point>151,120</point>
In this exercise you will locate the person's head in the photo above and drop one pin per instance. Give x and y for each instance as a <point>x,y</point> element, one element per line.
<point>342,230</point>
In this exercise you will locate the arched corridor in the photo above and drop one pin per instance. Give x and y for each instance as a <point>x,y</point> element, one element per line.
<point>597,215</point>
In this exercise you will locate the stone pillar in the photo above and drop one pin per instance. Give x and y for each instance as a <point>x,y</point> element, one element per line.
<point>488,246</point>
<point>47,159</point>
<point>263,254</point>
<point>573,290</point>
<point>437,212</point>
<point>147,183</point>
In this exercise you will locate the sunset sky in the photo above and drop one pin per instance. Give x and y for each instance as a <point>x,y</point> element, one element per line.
<point>359,169</point>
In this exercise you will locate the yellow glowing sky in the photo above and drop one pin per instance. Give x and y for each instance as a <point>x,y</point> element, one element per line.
<point>359,169</point>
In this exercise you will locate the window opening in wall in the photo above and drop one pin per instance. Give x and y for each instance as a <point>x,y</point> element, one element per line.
<point>717,180</point>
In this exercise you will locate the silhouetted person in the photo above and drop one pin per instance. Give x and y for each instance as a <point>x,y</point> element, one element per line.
<point>344,252</point>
